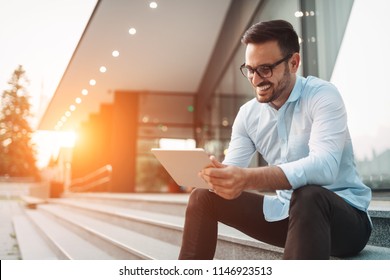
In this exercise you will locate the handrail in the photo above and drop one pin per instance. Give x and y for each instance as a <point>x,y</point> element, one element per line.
<point>92,180</point>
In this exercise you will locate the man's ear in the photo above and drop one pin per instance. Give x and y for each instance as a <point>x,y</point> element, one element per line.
<point>295,60</point>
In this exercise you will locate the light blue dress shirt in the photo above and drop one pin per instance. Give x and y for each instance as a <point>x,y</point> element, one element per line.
<point>307,138</point>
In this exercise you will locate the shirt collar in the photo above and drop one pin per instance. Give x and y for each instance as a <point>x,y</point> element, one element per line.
<point>297,90</point>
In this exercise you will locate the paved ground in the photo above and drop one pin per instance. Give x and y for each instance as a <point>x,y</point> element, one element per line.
<point>8,244</point>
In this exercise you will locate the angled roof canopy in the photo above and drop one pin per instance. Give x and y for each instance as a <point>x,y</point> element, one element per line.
<point>169,50</point>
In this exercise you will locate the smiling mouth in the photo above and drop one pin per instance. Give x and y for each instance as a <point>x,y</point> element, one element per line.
<point>264,87</point>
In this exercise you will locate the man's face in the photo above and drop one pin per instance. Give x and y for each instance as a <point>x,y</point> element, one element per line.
<point>277,88</point>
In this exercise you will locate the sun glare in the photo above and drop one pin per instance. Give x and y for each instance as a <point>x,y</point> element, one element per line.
<point>49,143</point>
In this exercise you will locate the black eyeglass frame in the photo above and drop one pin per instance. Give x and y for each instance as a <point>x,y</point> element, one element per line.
<point>269,68</point>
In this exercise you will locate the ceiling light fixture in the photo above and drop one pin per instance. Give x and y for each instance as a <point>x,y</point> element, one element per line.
<point>153,5</point>
<point>58,125</point>
<point>115,53</point>
<point>92,82</point>
<point>103,69</point>
<point>72,107</point>
<point>84,92</point>
<point>132,31</point>
<point>78,100</point>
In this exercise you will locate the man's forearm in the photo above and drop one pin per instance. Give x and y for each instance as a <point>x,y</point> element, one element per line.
<point>266,178</point>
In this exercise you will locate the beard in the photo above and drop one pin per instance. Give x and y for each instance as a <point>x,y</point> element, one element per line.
<point>273,93</point>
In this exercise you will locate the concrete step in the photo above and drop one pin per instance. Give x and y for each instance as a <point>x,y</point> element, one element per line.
<point>164,227</point>
<point>144,226</point>
<point>32,244</point>
<point>119,241</point>
<point>380,215</point>
<point>32,201</point>
<point>67,244</point>
<point>173,204</point>
<point>232,244</point>
<point>371,252</point>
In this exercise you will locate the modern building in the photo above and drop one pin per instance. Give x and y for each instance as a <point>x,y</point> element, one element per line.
<point>143,74</point>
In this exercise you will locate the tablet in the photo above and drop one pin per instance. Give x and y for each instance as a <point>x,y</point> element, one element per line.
<point>184,165</point>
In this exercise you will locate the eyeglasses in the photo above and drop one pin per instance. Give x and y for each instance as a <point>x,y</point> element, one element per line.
<point>264,71</point>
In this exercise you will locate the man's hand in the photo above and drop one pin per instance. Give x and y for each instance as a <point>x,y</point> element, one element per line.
<point>226,181</point>
<point>230,181</point>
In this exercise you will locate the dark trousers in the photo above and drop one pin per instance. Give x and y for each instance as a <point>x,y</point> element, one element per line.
<point>320,224</point>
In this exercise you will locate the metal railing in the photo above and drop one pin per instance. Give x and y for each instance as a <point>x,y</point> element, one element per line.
<point>97,180</point>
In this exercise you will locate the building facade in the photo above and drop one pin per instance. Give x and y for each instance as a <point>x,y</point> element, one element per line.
<point>124,132</point>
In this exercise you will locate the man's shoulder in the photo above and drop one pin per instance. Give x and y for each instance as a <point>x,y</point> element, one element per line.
<point>316,87</point>
<point>312,82</point>
<point>249,104</point>
<point>317,91</point>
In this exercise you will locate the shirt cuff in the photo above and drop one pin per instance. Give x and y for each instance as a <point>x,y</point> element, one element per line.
<point>295,174</point>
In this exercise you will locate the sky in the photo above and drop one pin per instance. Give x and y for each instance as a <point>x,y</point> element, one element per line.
<point>41,35</point>
<point>362,73</point>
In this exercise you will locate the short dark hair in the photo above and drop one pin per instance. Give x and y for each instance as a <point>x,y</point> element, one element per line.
<point>280,31</point>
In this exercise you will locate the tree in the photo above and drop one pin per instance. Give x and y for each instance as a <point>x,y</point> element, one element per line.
<point>17,153</point>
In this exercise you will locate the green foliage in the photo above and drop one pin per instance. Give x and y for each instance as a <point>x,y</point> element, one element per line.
<point>17,154</point>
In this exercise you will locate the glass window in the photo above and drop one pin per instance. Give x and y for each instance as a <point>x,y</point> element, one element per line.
<point>168,116</point>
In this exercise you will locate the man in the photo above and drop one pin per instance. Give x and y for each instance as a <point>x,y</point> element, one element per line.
<point>299,126</point>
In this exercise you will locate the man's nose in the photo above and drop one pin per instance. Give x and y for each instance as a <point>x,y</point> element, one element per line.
<point>256,79</point>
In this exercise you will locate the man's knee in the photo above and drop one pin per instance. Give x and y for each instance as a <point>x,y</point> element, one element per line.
<point>199,194</point>
<point>309,199</point>
<point>198,198</point>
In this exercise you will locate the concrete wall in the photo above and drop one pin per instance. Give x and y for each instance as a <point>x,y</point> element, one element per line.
<point>12,190</point>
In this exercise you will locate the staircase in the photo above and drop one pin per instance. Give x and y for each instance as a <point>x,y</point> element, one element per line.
<point>89,226</point>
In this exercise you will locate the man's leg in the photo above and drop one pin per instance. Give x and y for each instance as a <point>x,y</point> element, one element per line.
<point>244,213</point>
<point>323,224</point>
